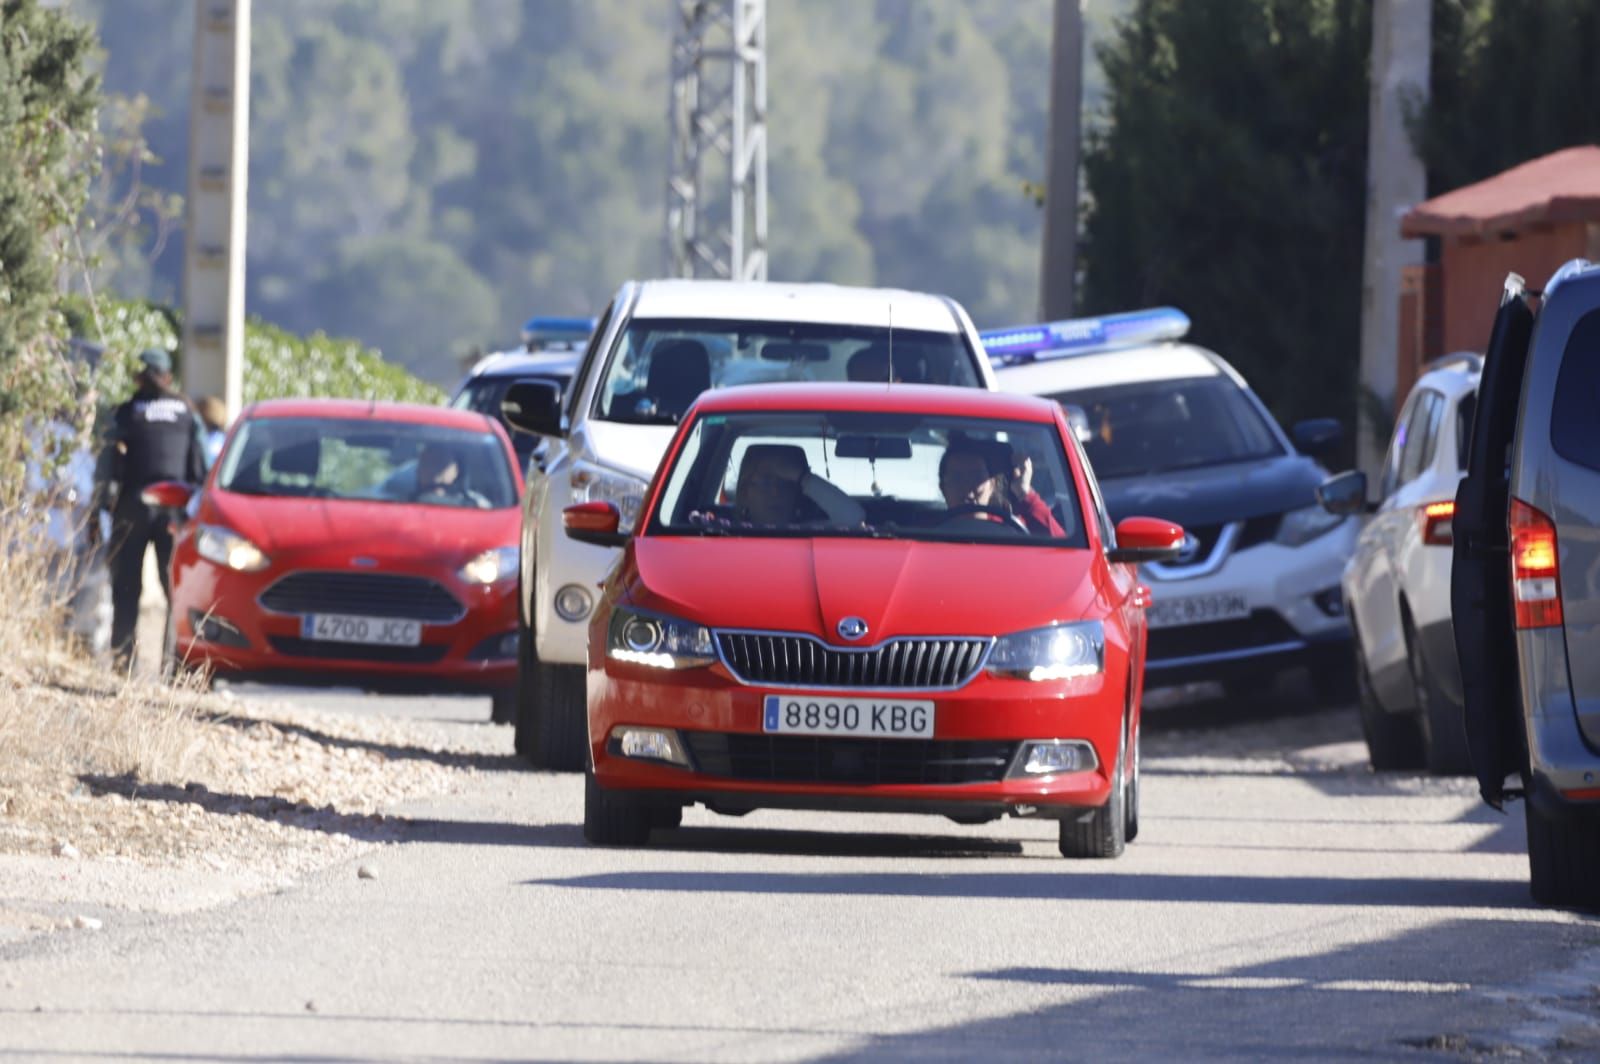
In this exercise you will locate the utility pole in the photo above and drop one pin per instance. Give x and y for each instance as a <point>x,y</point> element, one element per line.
<point>214,210</point>
<point>1059,261</point>
<point>718,123</point>
<point>1402,44</point>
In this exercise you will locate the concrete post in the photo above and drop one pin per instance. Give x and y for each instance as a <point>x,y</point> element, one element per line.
<point>214,211</point>
<point>1402,44</point>
<point>1059,261</point>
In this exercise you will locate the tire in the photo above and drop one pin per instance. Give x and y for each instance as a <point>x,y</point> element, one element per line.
<point>1394,741</point>
<point>552,712</point>
<point>561,719</point>
<point>1130,830</point>
<point>613,818</point>
<point>503,706</point>
<point>525,713</point>
<point>1101,833</point>
<point>1564,860</point>
<point>1443,725</point>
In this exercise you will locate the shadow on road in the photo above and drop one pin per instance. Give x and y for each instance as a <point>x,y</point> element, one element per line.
<point>1078,883</point>
<point>390,751</point>
<point>830,843</point>
<point>1383,999</point>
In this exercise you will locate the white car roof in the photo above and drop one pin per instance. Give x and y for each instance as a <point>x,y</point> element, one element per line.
<point>828,304</point>
<point>1453,375</point>
<point>1131,365</point>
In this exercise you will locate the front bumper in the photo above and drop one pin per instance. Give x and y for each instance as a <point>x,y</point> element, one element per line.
<point>708,708</point>
<point>1296,613</point>
<point>220,623</point>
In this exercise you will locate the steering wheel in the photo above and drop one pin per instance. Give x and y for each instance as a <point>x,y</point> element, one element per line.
<point>1006,519</point>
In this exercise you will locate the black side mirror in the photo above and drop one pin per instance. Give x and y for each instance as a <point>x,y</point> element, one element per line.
<point>1317,435</point>
<point>533,406</point>
<point>1345,494</point>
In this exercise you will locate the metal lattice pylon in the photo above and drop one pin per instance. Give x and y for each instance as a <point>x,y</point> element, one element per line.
<point>718,115</point>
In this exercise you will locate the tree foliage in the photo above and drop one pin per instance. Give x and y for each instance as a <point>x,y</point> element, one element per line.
<point>528,138</point>
<point>278,364</point>
<point>1512,80</point>
<point>1229,180</point>
<point>47,105</point>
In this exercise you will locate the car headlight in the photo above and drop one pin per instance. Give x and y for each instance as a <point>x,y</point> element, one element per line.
<point>1306,524</point>
<point>658,641</point>
<point>591,483</point>
<point>491,566</point>
<point>229,549</point>
<point>1060,652</point>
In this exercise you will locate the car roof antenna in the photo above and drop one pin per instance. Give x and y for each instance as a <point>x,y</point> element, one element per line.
<point>889,377</point>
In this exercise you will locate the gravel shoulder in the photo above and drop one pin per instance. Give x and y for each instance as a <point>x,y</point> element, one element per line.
<point>258,794</point>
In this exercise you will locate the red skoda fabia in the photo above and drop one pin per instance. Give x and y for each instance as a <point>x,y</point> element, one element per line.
<point>866,598</point>
<point>372,542</point>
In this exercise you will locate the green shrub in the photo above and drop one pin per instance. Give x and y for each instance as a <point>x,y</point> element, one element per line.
<point>278,364</point>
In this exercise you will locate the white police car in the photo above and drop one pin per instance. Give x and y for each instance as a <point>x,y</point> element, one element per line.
<point>1173,431</point>
<point>552,350</point>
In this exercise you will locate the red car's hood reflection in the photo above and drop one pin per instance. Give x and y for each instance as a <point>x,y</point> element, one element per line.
<point>288,527</point>
<point>899,587</point>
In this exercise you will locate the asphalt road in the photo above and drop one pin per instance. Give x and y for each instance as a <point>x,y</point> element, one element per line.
<point>1281,903</point>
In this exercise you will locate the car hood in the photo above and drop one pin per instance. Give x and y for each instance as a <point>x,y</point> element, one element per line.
<point>898,587</point>
<point>1216,494</point>
<point>384,532</point>
<point>635,449</point>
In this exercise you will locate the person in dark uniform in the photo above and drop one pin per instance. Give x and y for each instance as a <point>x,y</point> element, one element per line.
<point>156,435</point>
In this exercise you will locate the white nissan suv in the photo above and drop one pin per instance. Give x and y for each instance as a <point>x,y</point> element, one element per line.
<point>1172,430</point>
<point>657,347</point>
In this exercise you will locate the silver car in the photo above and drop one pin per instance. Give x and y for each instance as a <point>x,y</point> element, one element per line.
<point>1525,583</point>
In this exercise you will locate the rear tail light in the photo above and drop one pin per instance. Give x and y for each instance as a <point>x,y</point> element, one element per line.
<point>1535,577</point>
<point>1434,520</point>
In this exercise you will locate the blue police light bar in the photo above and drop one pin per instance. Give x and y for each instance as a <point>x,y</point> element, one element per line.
<point>541,330</point>
<point>1075,336</point>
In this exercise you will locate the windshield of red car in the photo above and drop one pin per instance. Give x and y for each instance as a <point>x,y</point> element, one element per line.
<point>661,365</point>
<point>368,460</point>
<point>900,476</point>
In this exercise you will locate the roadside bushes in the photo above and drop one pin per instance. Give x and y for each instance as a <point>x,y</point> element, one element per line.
<point>278,363</point>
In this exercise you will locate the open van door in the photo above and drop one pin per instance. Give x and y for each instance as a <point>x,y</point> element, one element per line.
<point>1480,577</point>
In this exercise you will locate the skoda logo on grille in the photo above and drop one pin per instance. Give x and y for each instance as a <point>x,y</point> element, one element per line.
<point>852,628</point>
<point>1189,551</point>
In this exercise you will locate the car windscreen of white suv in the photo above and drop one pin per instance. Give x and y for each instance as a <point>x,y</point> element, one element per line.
<point>662,365</point>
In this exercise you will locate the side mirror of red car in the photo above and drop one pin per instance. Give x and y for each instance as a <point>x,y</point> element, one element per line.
<point>1146,539</point>
<point>167,495</point>
<point>594,522</point>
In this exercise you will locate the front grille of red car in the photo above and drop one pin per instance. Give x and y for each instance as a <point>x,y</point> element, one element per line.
<point>793,660</point>
<point>818,759</point>
<point>411,598</point>
<point>294,646</point>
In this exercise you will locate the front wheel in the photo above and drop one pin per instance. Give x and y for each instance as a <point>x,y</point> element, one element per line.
<point>1102,833</point>
<point>614,818</point>
<point>1563,860</point>
<point>525,715</point>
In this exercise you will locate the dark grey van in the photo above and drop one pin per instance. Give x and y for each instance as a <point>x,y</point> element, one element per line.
<point>1525,581</point>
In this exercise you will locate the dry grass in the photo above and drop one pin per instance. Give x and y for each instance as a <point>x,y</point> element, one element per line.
<point>63,715</point>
